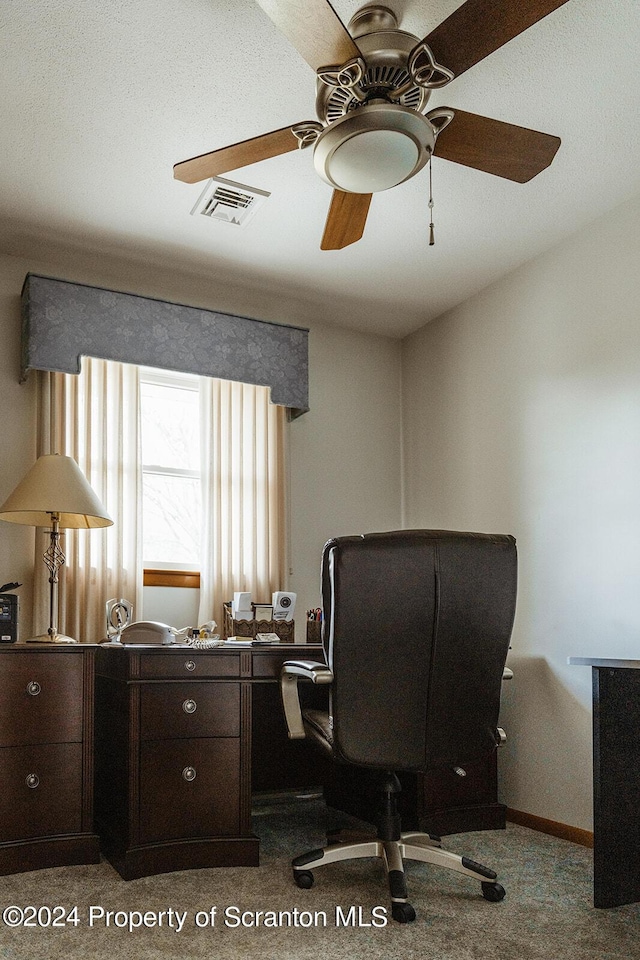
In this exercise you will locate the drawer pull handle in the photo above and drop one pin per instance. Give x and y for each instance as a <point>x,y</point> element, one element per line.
<point>190,665</point>
<point>32,781</point>
<point>189,706</point>
<point>33,688</point>
<point>189,774</point>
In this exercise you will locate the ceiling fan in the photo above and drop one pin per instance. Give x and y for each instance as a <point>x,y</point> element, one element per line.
<point>373,82</point>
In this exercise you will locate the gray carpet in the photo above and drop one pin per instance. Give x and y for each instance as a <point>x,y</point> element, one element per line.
<point>547,913</point>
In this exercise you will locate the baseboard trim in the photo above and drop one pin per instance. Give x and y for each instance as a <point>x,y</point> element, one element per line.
<point>552,827</point>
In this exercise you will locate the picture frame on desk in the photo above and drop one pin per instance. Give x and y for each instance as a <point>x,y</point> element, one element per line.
<point>285,629</point>
<point>262,611</point>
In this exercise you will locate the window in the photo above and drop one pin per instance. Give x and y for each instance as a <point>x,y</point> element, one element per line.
<point>192,471</point>
<point>170,439</point>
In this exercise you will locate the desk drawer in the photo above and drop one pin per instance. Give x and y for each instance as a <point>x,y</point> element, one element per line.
<point>41,791</point>
<point>42,696</point>
<point>189,789</point>
<point>170,710</point>
<point>188,664</point>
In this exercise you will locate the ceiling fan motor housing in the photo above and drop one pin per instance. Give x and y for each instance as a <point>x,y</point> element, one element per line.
<point>376,142</point>
<point>386,55</point>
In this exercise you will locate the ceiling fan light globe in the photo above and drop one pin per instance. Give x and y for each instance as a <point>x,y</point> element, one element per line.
<point>373,148</point>
<point>372,161</point>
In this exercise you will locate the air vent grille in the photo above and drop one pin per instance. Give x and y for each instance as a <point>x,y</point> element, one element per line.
<point>230,202</point>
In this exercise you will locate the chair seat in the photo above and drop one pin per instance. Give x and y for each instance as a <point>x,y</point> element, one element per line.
<point>317,725</point>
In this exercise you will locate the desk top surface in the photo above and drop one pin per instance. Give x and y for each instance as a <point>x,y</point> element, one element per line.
<point>137,663</point>
<point>32,646</point>
<point>603,662</point>
<point>226,647</point>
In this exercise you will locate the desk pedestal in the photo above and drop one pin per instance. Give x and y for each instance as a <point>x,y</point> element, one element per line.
<point>616,786</point>
<point>616,779</point>
<point>438,802</point>
<point>173,758</point>
<point>46,756</point>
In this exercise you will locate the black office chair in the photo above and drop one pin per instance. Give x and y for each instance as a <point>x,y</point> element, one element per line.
<point>416,632</point>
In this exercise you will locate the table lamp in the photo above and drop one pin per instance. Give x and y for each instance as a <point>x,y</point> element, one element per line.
<point>55,493</point>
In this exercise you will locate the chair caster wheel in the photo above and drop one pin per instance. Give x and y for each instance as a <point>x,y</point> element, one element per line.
<point>494,892</point>
<point>403,912</point>
<point>303,879</point>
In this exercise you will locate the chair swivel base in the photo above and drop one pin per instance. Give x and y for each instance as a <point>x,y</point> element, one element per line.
<point>410,846</point>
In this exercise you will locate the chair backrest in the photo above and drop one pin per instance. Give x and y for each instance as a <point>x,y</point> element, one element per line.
<point>417,629</point>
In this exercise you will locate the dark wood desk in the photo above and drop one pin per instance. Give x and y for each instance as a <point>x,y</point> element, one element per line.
<point>153,815</point>
<point>616,779</point>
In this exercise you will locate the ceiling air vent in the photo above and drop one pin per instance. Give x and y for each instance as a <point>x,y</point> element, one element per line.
<point>228,201</point>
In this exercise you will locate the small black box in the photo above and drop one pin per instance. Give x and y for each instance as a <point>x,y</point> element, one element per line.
<point>8,618</point>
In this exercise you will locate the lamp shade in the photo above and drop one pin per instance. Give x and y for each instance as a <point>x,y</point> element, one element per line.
<point>55,484</point>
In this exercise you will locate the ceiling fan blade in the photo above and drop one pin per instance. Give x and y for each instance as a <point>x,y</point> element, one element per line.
<point>479,27</point>
<point>237,155</point>
<point>515,153</point>
<point>345,220</point>
<point>314,29</point>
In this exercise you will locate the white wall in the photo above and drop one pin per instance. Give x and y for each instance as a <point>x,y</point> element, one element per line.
<point>17,438</point>
<point>344,453</point>
<point>521,413</point>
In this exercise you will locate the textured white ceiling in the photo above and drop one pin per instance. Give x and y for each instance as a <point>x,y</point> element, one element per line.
<point>99,100</point>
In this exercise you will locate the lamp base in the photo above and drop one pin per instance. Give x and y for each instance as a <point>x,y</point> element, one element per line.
<point>48,638</point>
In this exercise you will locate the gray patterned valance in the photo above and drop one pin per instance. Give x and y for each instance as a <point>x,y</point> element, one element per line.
<point>62,322</point>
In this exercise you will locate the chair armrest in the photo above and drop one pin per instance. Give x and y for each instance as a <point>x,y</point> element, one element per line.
<point>292,671</point>
<point>308,669</point>
<point>507,674</point>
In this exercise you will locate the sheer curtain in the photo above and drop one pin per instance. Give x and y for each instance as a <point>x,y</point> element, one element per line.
<point>94,418</point>
<point>243,472</point>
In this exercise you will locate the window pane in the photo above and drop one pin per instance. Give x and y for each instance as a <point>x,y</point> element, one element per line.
<point>170,426</point>
<point>171,519</point>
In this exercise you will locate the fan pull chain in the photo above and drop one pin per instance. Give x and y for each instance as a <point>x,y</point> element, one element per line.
<point>432,238</point>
